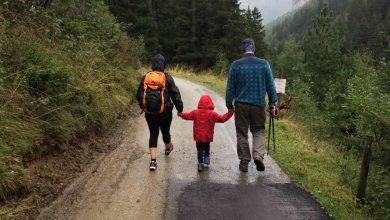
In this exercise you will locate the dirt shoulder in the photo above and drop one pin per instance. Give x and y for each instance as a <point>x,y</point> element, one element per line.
<point>50,175</point>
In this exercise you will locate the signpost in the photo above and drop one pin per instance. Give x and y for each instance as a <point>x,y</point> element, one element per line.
<point>280,86</point>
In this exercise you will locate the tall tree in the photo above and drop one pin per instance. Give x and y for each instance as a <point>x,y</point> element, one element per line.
<point>186,32</point>
<point>139,19</point>
<point>254,29</point>
<point>234,33</point>
<point>322,53</point>
<point>165,17</point>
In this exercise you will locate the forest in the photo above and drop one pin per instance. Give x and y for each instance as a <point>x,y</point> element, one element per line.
<point>195,33</point>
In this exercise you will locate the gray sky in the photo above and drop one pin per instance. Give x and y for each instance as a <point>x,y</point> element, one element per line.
<point>270,9</point>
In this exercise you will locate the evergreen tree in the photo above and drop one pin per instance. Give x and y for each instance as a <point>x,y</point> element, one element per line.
<point>254,29</point>
<point>323,53</point>
<point>165,17</point>
<point>139,19</point>
<point>291,59</point>
<point>206,29</point>
<point>185,33</point>
<point>234,33</point>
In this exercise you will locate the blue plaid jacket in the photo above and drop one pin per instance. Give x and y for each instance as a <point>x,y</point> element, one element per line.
<point>248,81</point>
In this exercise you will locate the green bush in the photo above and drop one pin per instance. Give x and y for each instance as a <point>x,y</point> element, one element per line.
<point>49,81</point>
<point>371,103</point>
<point>305,108</point>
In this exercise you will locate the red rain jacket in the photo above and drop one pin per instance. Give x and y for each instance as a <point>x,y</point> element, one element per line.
<point>204,119</point>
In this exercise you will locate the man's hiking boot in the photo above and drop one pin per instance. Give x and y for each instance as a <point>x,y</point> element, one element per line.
<point>243,166</point>
<point>153,165</point>
<point>168,148</point>
<point>206,162</point>
<point>200,167</point>
<point>259,165</point>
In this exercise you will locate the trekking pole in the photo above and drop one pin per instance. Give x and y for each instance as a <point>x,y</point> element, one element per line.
<point>273,132</point>
<point>269,132</point>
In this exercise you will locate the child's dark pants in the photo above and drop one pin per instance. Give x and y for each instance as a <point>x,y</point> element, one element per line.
<point>203,150</point>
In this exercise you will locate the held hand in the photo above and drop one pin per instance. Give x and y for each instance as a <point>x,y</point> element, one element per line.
<point>179,114</point>
<point>231,110</point>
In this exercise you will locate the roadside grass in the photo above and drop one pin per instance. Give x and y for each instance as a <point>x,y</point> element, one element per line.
<point>206,78</point>
<point>329,175</point>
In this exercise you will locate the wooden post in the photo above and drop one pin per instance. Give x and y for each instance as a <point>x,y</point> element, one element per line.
<point>361,191</point>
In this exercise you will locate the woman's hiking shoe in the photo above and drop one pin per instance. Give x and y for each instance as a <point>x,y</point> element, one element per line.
<point>153,165</point>
<point>200,167</point>
<point>243,166</point>
<point>168,148</point>
<point>259,165</point>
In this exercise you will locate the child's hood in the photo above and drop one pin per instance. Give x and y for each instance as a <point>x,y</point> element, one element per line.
<point>206,102</point>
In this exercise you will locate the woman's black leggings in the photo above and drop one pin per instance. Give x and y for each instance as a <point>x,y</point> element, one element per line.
<point>159,121</point>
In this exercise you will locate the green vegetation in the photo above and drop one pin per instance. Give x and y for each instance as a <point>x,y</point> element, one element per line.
<point>66,70</point>
<point>339,81</point>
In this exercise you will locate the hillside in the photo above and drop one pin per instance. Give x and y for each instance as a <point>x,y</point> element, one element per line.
<point>67,72</point>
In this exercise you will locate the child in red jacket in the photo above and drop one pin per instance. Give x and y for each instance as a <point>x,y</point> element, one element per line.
<point>204,121</point>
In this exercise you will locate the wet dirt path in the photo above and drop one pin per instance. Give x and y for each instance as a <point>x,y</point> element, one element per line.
<point>120,185</point>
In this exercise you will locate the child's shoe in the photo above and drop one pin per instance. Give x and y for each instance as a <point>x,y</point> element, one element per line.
<point>168,148</point>
<point>200,167</point>
<point>206,162</point>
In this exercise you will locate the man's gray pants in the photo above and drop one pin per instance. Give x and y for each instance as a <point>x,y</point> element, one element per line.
<point>253,117</point>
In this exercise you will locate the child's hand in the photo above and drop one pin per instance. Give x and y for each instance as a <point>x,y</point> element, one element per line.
<point>231,110</point>
<point>180,114</point>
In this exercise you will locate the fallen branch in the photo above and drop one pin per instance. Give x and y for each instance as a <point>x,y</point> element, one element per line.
<point>286,104</point>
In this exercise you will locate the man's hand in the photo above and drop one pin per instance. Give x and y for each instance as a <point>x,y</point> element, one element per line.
<point>274,111</point>
<point>179,114</point>
<point>231,110</point>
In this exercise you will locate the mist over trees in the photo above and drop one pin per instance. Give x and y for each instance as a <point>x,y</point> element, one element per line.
<point>364,24</point>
